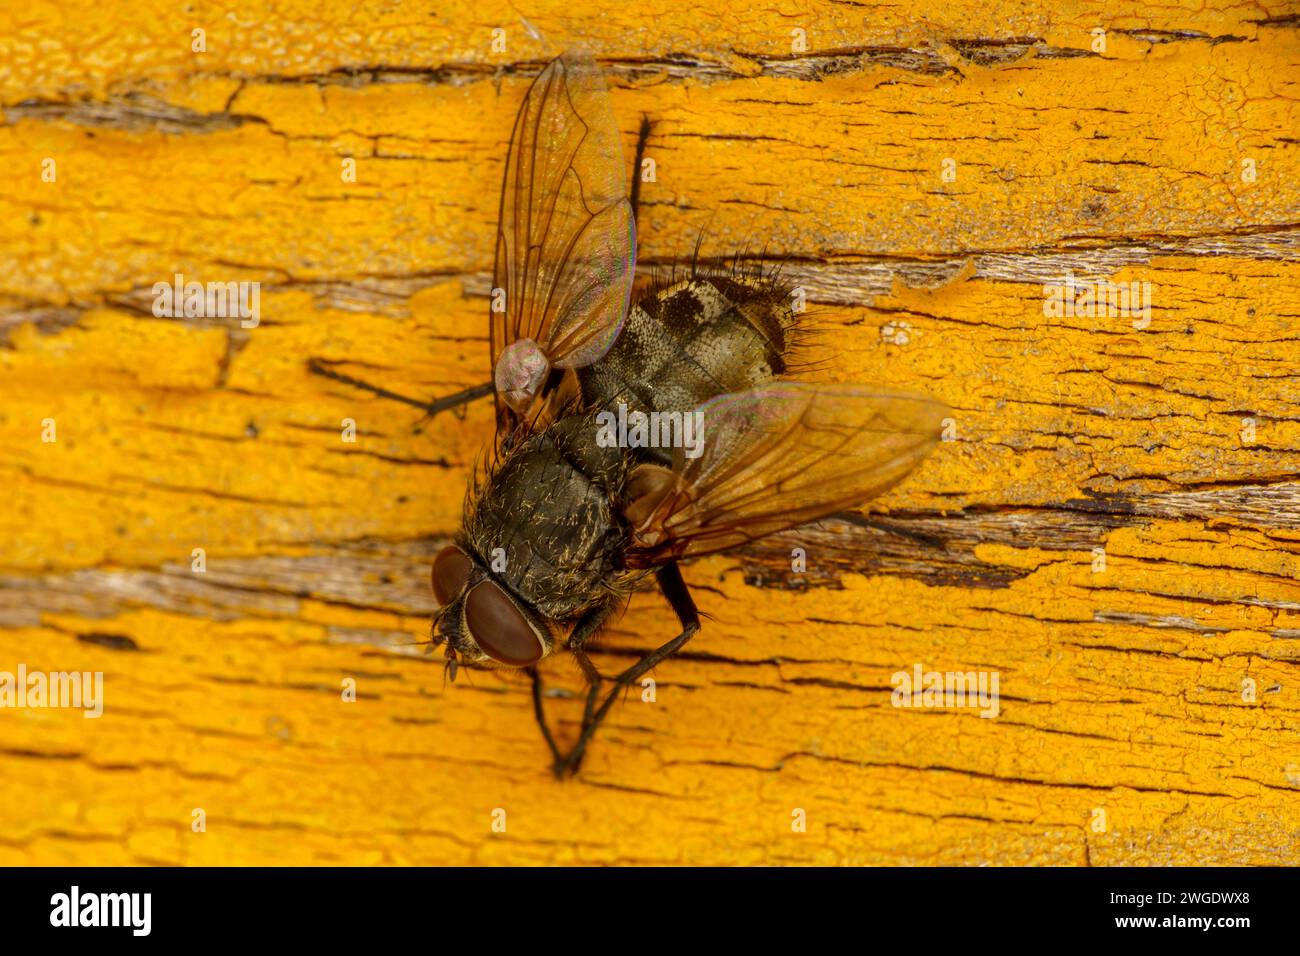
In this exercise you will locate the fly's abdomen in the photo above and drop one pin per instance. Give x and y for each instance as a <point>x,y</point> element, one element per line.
<point>686,343</point>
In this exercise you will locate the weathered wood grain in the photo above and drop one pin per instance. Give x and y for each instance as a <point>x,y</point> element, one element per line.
<point>1122,688</point>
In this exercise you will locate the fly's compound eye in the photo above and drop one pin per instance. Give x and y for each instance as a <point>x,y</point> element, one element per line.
<point>499,629</point>
<point>450,572</point>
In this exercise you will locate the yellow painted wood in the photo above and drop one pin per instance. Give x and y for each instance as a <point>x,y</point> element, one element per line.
<point>1124,690</point>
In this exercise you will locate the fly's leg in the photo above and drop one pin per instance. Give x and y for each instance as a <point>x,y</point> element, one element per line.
<point>641,138</point>
<point>583,631</point>
<point>889,527</point>
<point>540,712</point>
<point>587,626</point>
<point>593,683</point>
<point>317,367</point>
<point>679,598</point>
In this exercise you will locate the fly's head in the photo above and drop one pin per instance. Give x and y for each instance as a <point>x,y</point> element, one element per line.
<point>478,620</point>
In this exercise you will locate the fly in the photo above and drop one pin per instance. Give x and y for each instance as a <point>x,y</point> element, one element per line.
<point>565,519</point>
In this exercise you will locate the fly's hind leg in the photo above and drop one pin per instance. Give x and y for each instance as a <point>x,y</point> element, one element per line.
<point>679,598</point>
<point>461,398</point>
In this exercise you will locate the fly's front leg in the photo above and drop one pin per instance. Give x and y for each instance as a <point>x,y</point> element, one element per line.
<point>463,397</point>
<point>679,597</point>
<point>539,712</point>
<point>587,625</point>
<point>593,679</point>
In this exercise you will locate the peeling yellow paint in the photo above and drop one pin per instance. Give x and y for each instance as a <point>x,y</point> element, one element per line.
<point>1120,504</point>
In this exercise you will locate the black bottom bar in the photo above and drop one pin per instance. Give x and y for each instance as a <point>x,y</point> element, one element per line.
<point>329,907</point>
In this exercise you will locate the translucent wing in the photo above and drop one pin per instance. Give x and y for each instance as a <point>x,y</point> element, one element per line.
<point>566,241</point>
<point>775,458</point>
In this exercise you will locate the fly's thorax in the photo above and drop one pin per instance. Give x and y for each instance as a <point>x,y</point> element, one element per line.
<point>692,340</point>
<point>544,519</point>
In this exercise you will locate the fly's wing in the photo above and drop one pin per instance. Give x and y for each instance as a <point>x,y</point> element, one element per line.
<point>774,458</point>
<point>566,240</point>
